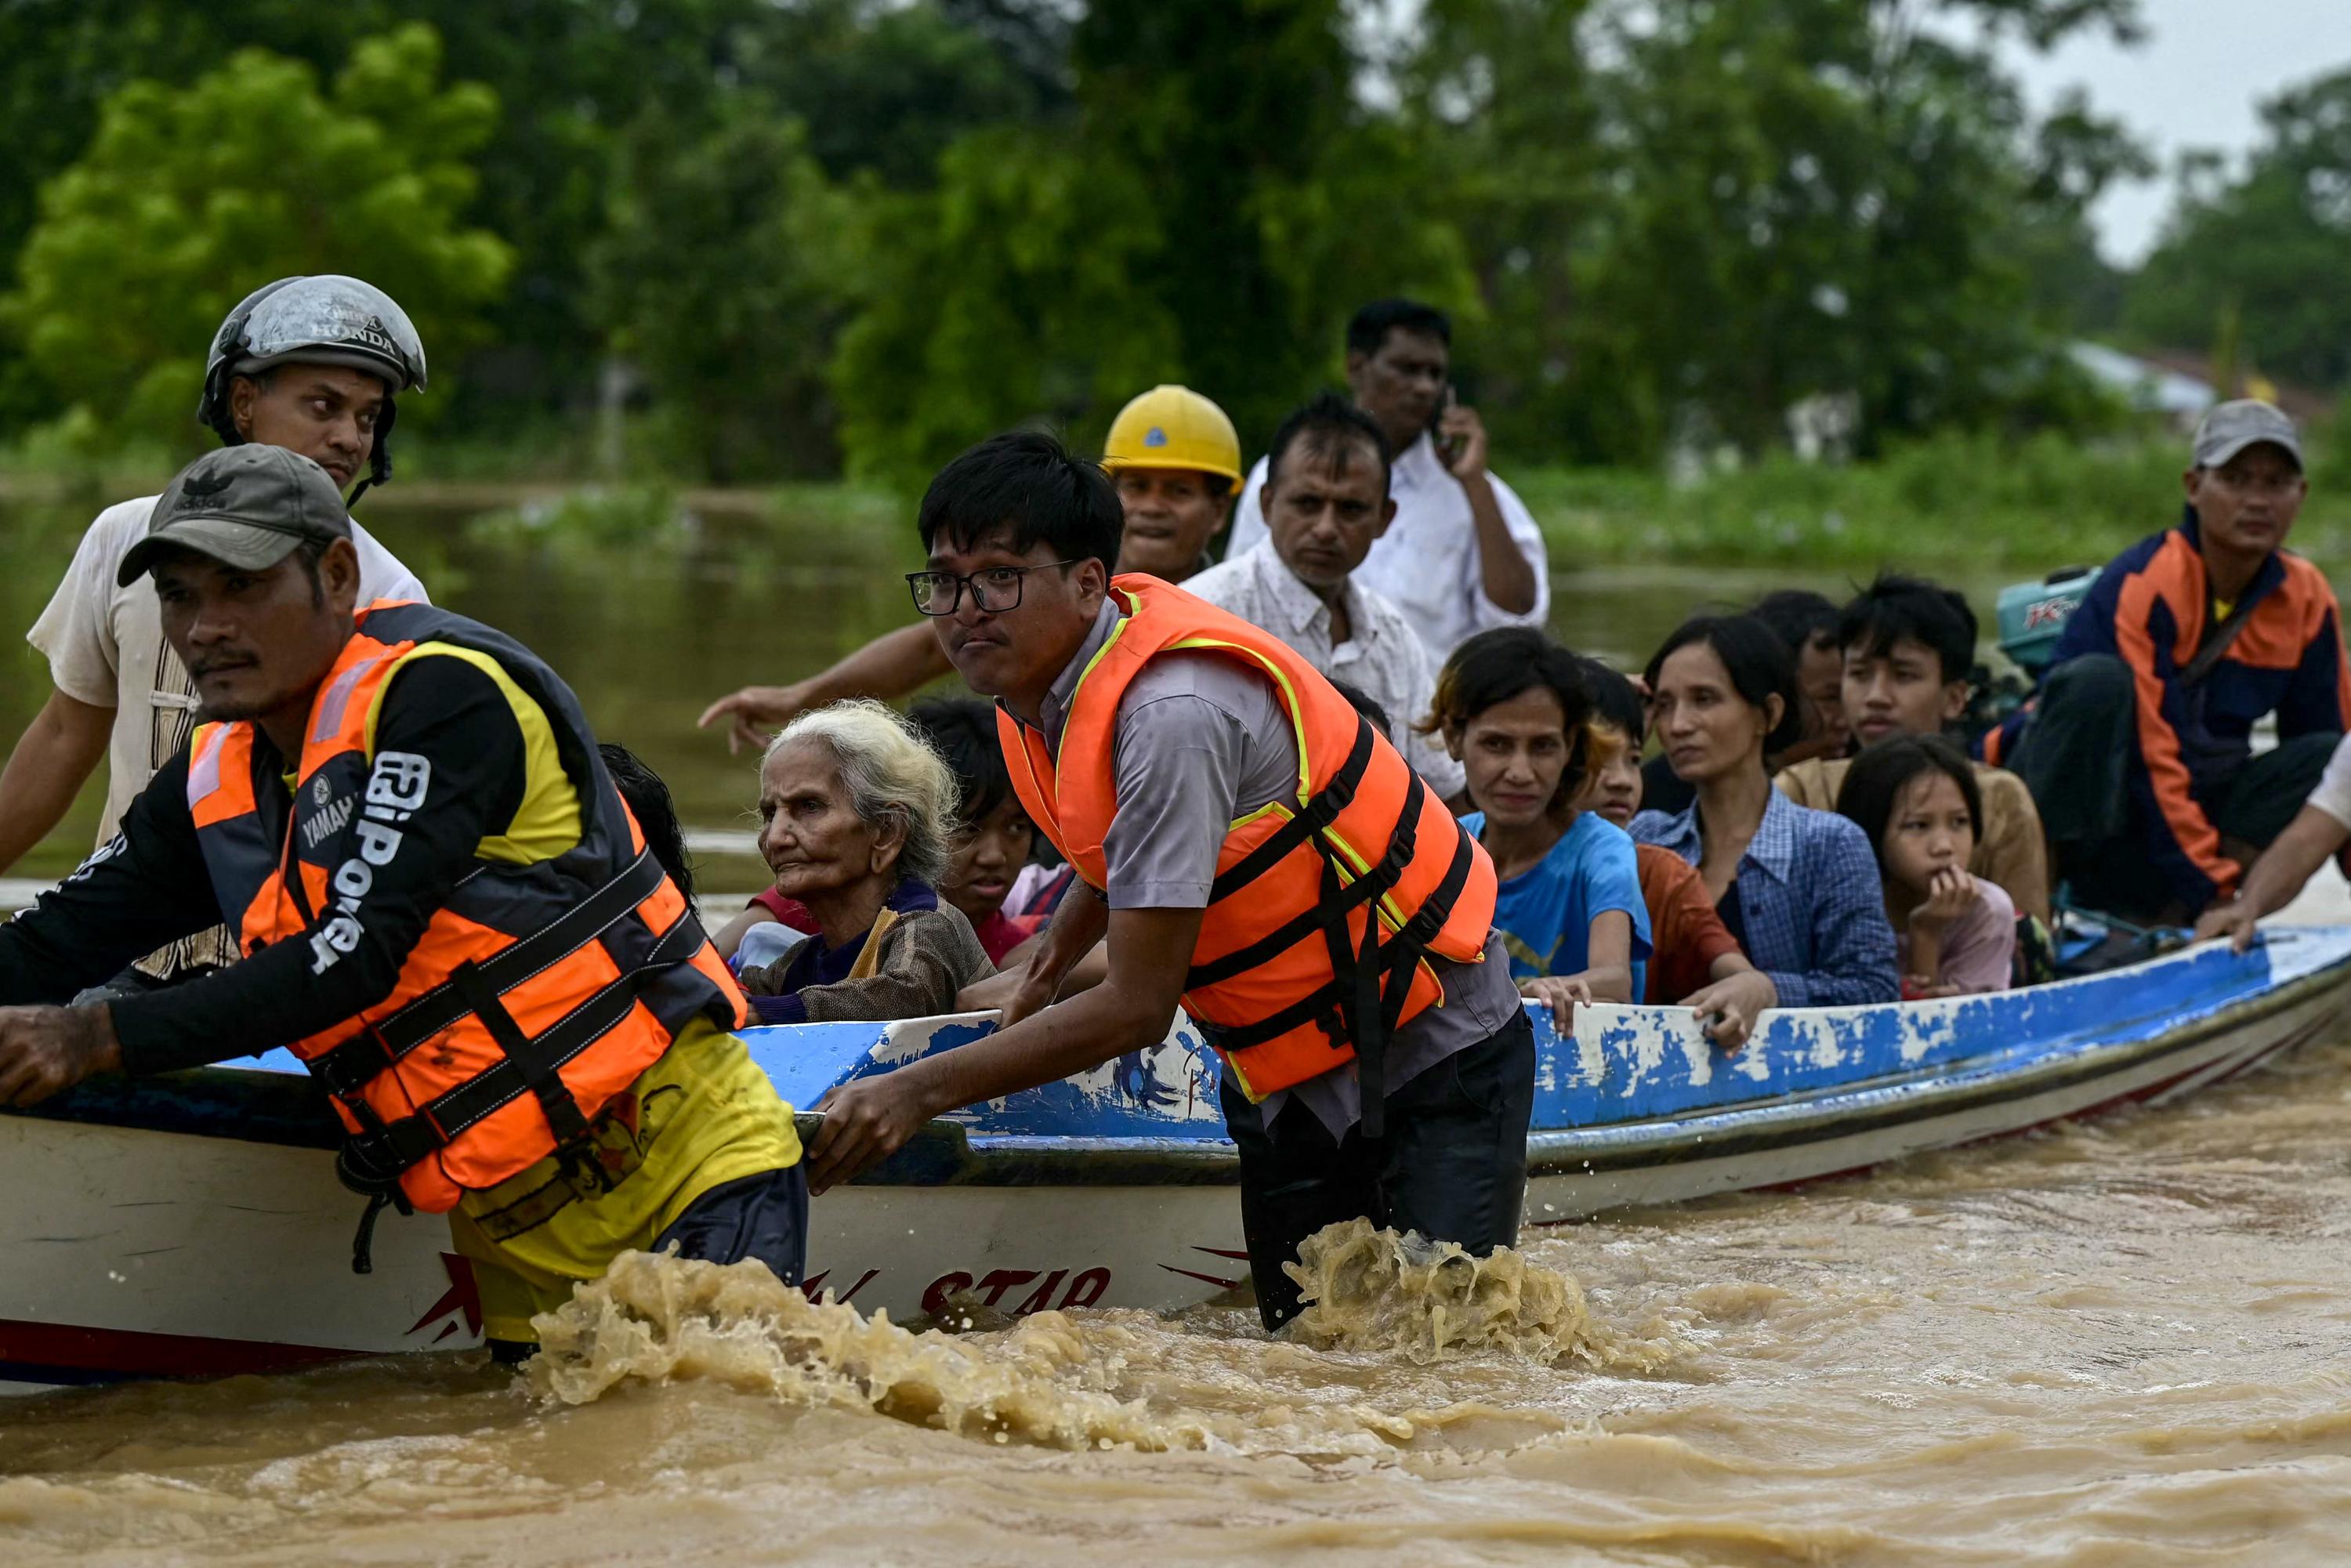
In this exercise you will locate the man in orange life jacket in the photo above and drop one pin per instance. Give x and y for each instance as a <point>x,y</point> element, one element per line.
<point>1251,846</point>
<point>445,908</point>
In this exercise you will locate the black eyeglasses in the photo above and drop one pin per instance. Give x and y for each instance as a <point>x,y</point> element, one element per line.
<point>995,589</point>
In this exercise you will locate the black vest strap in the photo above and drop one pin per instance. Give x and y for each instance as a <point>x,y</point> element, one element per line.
<point>538,1073</point>
<point>1361,1005</point>
<point>346,1067</point>
<point>529,1064</point>
<point>1240,961</point>
<point>1319,812</point>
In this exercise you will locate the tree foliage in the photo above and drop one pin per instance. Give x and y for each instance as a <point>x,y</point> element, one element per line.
<point>713,278</point>
<point>1220,204</point>
<point>1809,199</point>
<point>865,233</point>
<point>2270,248</point>
<point>189,197</point>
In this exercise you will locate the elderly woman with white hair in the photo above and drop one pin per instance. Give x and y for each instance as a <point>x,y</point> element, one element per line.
<point>857,820</point>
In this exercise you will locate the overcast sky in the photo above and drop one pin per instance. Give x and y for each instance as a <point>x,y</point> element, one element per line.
<point>2192,83</point>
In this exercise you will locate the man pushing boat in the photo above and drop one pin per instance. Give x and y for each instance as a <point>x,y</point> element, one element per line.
<point>443,905</point>
<point>1251,846</point>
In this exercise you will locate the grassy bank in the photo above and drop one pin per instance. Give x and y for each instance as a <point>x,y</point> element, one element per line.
<point>1951,504</point>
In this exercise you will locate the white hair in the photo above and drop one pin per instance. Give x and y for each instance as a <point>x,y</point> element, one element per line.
<point>886,768</point>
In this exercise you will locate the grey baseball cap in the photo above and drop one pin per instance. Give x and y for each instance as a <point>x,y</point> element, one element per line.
<point>2227,428</point>
<point>246,506</point>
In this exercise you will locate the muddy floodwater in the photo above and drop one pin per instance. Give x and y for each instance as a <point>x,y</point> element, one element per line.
<point>649,629</point>
<point>2112,1344</point>
<point>2117,1343</point>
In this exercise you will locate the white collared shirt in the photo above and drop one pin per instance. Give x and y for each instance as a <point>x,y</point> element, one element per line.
<point>1381,657</point>
<point>105,646</point>
<point>1427,563</point>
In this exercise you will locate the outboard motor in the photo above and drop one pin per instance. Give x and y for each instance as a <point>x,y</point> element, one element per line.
<point>2032,615</point>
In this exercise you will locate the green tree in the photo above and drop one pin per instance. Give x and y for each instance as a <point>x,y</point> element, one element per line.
<point>1006,295</point>
<point>887,84</point>
<point>714,280</point>
<point>189,197</point>
<point>1720,211</point>
<point>1222,201</point>
<point>2076,156</point>
<point>1818,194</point>
<point>1499,96</point>
<point>886,89</point>
<point>2273,244</point>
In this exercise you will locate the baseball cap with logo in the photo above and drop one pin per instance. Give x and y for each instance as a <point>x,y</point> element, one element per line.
<point>247,507</point>
<point>2227,428</point>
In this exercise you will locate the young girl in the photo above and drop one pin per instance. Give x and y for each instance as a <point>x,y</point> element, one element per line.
<point>1513,708</point>
<point>993,833</point>
<point>1916,797</point>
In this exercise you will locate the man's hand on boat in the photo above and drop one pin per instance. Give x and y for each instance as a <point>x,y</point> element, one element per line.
<point>45,1050</point>
<point>2276,876</point>
<point>2239,920</point>
<point>1149,953</point>
<point>1727,1007</point>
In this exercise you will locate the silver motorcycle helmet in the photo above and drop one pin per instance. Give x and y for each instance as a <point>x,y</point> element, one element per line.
<point>324,319</point>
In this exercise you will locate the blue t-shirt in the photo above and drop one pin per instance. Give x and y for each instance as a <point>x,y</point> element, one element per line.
<point>1545,913</point>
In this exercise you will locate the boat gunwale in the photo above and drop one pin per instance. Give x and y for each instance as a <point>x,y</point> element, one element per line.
<point>264,1106</point>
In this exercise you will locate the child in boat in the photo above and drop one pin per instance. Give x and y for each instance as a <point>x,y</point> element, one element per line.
<point>857,822</point>
<point>1691,950</point>
<point>1513,709</point>
<point>993,834</point>
<point>1916,797</point>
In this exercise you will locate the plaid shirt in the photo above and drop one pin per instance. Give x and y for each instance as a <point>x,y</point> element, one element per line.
<point>1811,897</point>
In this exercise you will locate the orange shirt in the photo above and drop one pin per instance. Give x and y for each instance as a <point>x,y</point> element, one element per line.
<point>1686,935</point>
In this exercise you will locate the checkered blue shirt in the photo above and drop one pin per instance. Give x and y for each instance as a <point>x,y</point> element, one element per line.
<point>1810,898</point>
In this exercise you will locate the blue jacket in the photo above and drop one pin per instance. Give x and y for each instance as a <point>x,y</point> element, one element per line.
<point>1811,897</point>
<point>2150,608</point>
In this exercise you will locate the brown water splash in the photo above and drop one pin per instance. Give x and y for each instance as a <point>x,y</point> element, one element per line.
<point>656,1319</point>
<point>1374,1289</point>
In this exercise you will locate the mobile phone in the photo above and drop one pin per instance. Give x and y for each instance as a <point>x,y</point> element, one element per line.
<point>1447,447</point>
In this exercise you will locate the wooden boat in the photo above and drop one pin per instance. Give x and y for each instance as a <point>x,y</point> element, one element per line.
<point>191,1226</point>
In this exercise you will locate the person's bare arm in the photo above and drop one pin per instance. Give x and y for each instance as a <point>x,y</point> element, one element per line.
<point>890,666</point>
<point>56,754</point>
<point>1054,954</point>
<point>869,1119</point>
<point>1607,977</point>
<point>1507,576</point>
<point>2291,859</point>
<point>1736,995</point>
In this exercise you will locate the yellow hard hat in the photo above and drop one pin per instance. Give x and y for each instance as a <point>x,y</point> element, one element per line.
<point>1174,427</point>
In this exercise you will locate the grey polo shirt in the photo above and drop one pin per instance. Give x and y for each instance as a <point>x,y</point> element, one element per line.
<point>1198,741</point>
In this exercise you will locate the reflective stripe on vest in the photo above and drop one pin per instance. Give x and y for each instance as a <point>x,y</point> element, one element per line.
<point>1310,951</point>
<point>535,993</point>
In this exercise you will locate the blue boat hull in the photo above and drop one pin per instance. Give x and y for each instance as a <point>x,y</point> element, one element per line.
<point>191,1226</point>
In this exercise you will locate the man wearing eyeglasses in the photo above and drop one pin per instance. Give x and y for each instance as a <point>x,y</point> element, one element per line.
<point>2138,746</point>
<point>1247,843</point>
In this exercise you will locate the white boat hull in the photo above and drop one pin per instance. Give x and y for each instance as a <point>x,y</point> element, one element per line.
<point>133,1250</point>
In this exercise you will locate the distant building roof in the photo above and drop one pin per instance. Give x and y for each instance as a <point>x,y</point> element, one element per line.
<point>2151,388</point>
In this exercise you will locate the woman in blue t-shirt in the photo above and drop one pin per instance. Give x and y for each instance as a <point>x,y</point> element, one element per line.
<point>1513,707</point>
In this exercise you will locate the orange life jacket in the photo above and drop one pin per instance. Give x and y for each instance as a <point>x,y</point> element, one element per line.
<point>536,993</point>
<point>1288,974</point>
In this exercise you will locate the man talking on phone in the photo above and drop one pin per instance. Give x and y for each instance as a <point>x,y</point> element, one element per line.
<point>1464,553</point>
